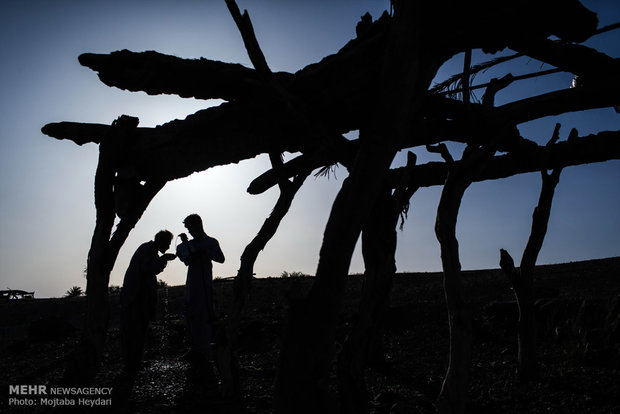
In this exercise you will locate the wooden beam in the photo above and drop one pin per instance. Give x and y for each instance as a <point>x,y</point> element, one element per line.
<point>601,147</point>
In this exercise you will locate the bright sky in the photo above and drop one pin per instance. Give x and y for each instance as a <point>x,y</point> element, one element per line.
<point>47,213</point>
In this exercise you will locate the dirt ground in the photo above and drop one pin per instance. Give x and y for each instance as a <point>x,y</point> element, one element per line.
<point>579,345</point>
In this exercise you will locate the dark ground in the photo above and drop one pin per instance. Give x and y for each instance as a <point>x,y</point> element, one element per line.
<point>579,329</point>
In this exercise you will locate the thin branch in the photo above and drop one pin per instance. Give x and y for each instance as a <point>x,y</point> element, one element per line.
<point>296,110</point>
<point>507,264</point>
<point>556,134</point>
<point>244,24</point>
<point>276,164</point>
<point>569,57</point>
<point>607,28</point>
<point>540,221</point>
<point>441,149</point>
<point>496,85</point>
<point>573,134</point>
<point>551,180</point>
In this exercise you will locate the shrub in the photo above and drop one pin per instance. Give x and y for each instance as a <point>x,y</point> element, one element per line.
<point>292,274</point>
<point>74,292</point>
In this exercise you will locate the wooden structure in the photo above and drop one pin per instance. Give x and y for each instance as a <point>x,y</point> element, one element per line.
<point>379,84</point>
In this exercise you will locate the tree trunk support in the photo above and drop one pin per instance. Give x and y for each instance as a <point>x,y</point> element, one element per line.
<point>522,279</point>
<point>453,395</point>
<point>105,246</point>
<point>243,280</point>
<point>378,250</point>
<point>307,347</point>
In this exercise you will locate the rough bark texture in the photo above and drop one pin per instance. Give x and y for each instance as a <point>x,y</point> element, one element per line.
<point>334,93</point>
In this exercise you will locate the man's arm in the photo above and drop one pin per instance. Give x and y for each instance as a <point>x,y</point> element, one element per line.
<point>153,264</point>
<point>215,252</point>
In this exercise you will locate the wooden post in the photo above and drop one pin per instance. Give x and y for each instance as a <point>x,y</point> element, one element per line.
<point>379,250</point>
<point>105,246</point>
<point>522,279</point>
<point>453,395</point>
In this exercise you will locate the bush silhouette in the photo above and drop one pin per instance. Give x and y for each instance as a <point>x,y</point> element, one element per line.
<point>75,291</point>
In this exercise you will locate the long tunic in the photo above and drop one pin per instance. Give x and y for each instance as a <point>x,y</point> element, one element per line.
<point>197,254</point>
<point>139,300</point>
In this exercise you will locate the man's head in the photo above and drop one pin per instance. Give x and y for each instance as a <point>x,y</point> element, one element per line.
<point>193,224</point>
<point>162,240</point>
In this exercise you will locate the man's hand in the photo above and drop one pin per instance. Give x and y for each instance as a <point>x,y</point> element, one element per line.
<point>169,256</point>
<point>183,237</point>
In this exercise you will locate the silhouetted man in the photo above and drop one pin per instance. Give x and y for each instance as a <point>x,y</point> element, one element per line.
<point>197,254</point>
<point>139,297</point>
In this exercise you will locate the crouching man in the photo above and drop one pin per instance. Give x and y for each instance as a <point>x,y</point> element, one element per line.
<point>139,299</point>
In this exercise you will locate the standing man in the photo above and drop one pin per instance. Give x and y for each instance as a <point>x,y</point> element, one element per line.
<point>139,297</point>
<point>197,255</point>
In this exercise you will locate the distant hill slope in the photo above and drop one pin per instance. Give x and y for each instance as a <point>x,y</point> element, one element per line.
<point>584,279</point>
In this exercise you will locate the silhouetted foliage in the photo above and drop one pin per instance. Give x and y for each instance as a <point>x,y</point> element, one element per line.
<point>75,291</point>
<point>286,274</point>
